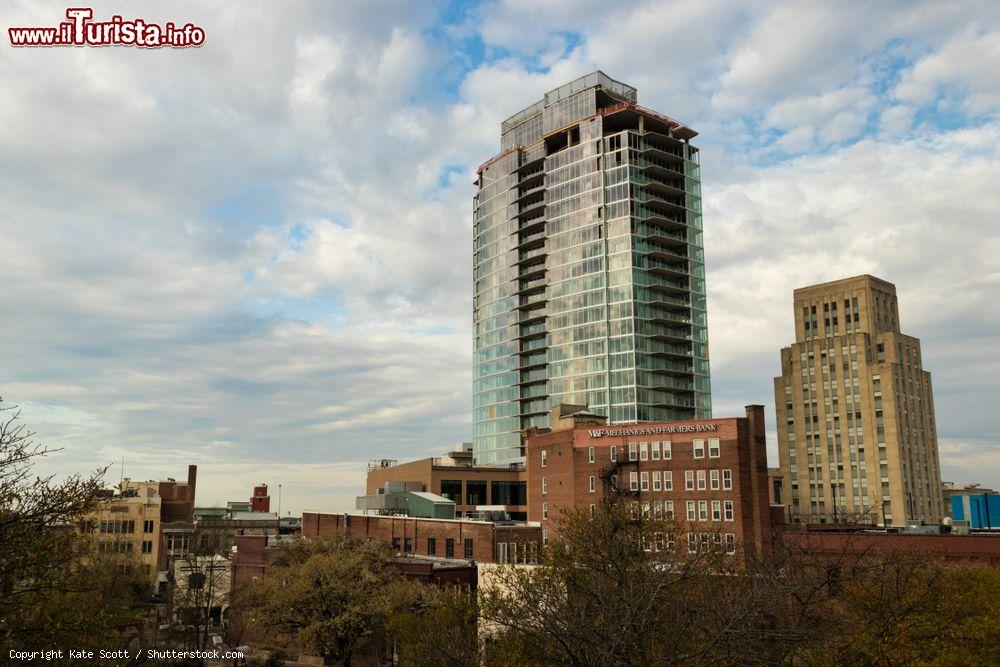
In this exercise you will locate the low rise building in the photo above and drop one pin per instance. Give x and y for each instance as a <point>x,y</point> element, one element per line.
<point>971,503</point>
<point>454,476</point>
<point>480,541</point>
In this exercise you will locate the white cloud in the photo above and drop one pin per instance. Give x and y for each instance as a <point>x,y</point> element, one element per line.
<point>258,259</point>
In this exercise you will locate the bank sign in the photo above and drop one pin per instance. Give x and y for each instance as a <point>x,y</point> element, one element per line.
<point>652,430</point>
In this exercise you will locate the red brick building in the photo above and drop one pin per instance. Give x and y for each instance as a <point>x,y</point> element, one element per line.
<point>709,475</point>
<point>254,554</point>
<point>481,541</point>
<point>826,543</point>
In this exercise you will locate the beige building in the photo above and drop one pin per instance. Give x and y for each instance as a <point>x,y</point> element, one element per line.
<point>857,439</point>
<point>128,524</point>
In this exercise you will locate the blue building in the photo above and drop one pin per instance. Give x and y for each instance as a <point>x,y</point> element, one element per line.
<point>981,510</point>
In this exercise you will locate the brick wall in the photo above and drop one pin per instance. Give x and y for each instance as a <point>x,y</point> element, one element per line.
<point>397,530</point>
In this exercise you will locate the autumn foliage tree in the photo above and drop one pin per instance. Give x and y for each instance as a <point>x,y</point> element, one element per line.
<point>56,588</point>
<point>331,598</point>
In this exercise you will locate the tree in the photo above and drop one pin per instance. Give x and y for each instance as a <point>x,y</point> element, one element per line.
<point>620,587</point>
<point>440,630</point>
<point>331,597</point>
<point>56,587</point>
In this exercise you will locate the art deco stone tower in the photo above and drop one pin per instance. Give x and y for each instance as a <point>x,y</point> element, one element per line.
<point>855,411</point>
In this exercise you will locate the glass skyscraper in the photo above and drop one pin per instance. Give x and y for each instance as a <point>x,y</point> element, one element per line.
<point>588,268</point>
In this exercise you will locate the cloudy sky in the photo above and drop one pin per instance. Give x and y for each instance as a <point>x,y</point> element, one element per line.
<point>256,255</point>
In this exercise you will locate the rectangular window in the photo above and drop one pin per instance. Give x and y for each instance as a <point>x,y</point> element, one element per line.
<point>727,479</point>
<point>475,492</point>
<point>692,543</point>
<point>545,537</point>
<point>407,544</point>
<point>468,547</point>
<point>730,543</point>
<point>545,511</point>
<point>431,546</point>
<point>668,510</point>
<point>590,454</point>
<point>714,450</point>
<point>701,480</point>
<point>644,481</point>
<point>449,548</point>
<point>147,526</point>
<point>395,544</point>
<point>614,453</point>
<point>657,510</point>
<point>633,481</point>
<point>643,451</point>
<point>656,480</point>
<point>545,458</point>
<point>147,547</point>
<point>713,479</point>
<point>593,484</point>
<point>667,455</point>
<point>633,452</point>
<point>699,448</point>
<point>703,510</point>
<point>668,480</point>
<point>452,490</point>
<point>593,510</point>
<point>689,480</point>
<point>716,510</point>
<point>728,509</point>
<point>655,451</point>
<point>545,485</point>
<point>692,511</point>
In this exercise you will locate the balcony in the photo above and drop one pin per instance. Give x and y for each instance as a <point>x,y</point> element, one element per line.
<point>528,255</point>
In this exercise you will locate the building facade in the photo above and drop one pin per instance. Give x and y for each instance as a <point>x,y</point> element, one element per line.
<point>708,476</point>
<point>589,281</point>
<point>481,541</point>
<point>857,439</point>
<point>455,477</point>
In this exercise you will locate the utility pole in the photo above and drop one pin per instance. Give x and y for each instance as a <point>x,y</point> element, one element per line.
<point>279,501</point>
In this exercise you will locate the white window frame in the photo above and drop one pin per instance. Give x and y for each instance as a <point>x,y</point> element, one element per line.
<point>590,455</point>
<point>593,484</point>
<point>714,446</point>
<point>698,448</point>
<point>727,479</point>
<point>713,479</point>
<point>633,451</point>
<point>668,480</point>
<point>703,510</point>
<point>692,543</point>
<point>667,452</point>
<point>657,509</point>
<point>643,451</point>
<point>545,511</point>
<point>656,480</point>
<point>728,514</point>
<point>692,510</point>
<point>545,538</point>
<point>716,510</point>
<point>689,480</point>
<point>633,481</point>
<point>545,458</point>
<point>701,480</point>
<point>730,543</point>
<point>654,452</point>
<point>545,485</point>
<point>644,481</point>
<point>668,510</point>
<point>613,453</point>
